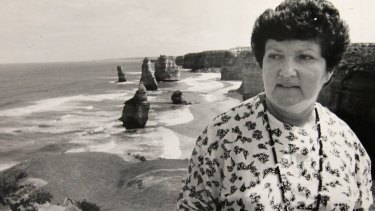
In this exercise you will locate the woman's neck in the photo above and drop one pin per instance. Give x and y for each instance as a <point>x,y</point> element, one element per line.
<point>296,117</point>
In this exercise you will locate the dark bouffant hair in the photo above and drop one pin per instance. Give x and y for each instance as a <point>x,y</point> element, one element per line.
<point>303,20</point>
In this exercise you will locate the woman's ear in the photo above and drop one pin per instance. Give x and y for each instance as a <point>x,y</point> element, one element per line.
<point>330,73</point>
<point>328,77</point>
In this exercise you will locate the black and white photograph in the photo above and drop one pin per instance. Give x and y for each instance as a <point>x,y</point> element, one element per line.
<point>126,105</point>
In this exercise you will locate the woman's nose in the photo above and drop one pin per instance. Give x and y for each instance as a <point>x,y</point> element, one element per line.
<point>288,68</point>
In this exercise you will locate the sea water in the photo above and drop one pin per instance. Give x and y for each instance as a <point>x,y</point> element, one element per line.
<point>74,107</point>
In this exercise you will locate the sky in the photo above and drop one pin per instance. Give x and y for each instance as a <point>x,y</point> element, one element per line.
<point>81,30</point>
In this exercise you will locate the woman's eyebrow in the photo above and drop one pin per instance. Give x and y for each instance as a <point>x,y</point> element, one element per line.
<point>312,50</point>
<point>273,48</point>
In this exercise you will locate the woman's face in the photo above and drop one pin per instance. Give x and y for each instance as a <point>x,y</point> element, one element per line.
<point>293,72</point>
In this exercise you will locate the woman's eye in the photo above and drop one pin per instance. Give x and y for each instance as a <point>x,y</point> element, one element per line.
<point>274,56</point>
<point>305,57</point>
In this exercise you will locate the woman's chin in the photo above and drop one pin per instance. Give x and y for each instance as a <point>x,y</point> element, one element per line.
<point>292,105</point>
<point>286,101</point>
<point>288,104</point>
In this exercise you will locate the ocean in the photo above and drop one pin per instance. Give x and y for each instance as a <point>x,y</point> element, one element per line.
<point>74,107</point>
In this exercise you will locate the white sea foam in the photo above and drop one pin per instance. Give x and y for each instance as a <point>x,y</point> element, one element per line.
<point>62,104</point>
<point>89,107</point>
<point>203,76</point>
<point>123,83</point>
<point>171,145</point>
<point>209,97</point>
<point>186,145</point>
<point>110,147</point>
<point>204,83</point>
<point>133,73</point>
<point>151,123</point>
<point>220,93</point>
<point>151,98</point>
<point>175,117</point>
<point>88,122</point>
<point>151,142</point>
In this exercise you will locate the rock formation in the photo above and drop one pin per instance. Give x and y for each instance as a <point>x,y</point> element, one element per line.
<point>166,69</point>
<point>147,76</point>
<point>238,68</point>
<point>207,59</point>
<point>252,83</point>
<point>135,111</point>
<point>180,60</point>
<point>121,75</point>
<point>177,98</point>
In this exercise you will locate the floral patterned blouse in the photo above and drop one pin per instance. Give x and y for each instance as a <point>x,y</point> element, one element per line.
<point>232,166</point>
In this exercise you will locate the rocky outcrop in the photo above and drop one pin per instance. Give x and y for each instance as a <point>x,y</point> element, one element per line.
<point>147,76</point>
<point>177,98</point>
<point>180,60</point>
<point>238,68</point>
<point>135,111</point>
<point>121,75</point>
<point>350,94</point>
<point>252,83</point>
<point>231,73</point>
<point>166,69</point>
<point>237,50</point>
<point>208,59</point>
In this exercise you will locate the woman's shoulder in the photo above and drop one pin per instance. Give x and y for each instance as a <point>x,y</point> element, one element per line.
<point>332,121</point>
<point>335,126</point>
<point>234,128</point>
<point>245,110</point>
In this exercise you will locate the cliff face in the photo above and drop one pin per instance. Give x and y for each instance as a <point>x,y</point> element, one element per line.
<point>180,60</point>
<point>351,95</point>
<point>243,68</point>
<point>207,59</point>
<point>252,83</point>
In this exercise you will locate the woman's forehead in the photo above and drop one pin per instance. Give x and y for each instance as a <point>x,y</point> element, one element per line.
<point>299,45</point>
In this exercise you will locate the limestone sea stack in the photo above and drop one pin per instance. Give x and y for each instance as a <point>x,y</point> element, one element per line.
<point>252,83</point>
<point>166,69</point>
<point>235,70</point>
<point>147,76</point>
<point>121,75</point>
<point>135,111</point>
<point>177,98</point>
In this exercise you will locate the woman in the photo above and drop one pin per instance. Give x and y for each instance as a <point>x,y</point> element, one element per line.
<point>281,150</point>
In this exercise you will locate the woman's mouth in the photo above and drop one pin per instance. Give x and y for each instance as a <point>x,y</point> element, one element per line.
<point>288,85</point>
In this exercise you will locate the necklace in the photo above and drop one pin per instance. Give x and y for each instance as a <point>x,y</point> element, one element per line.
<point>277,169</point>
